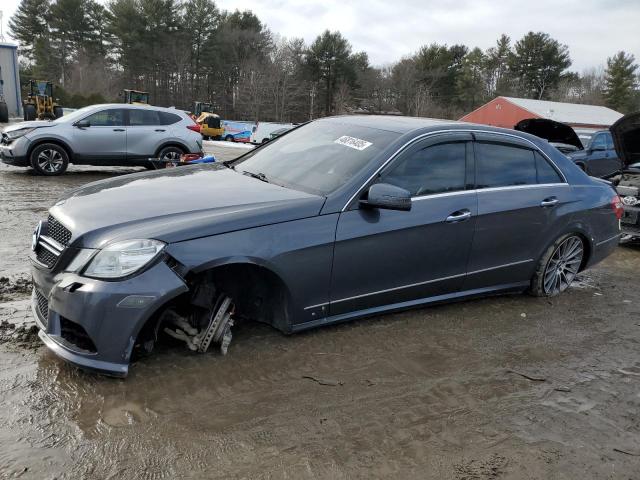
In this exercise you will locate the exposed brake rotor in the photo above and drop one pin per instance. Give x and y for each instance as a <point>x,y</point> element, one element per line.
<point>216,332</point>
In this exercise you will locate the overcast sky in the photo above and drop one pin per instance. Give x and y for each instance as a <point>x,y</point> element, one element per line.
<point>390,29</point>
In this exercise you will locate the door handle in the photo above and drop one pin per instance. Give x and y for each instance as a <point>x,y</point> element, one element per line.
<point>549,202</point>
<point>160,130</point>
<point>459,216</point>
<point>118,129</point>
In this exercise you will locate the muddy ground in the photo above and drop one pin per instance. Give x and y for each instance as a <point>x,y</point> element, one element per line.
<point>505,387</point>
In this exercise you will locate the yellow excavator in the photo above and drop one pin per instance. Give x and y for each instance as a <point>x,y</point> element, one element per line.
<point>135,97</point>
<point>39,103</point>
<point>210,123</point>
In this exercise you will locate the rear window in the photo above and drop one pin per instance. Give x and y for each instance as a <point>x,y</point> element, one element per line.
<point>143,117</point>
<point>501,165</point>
<point>546,173</point>
<point>167,118</point>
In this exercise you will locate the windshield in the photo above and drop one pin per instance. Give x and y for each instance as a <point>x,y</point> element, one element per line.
<point>73,116</point>
<point>317,158</point>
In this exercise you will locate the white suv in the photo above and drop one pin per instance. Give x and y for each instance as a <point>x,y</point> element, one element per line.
<point>110,134</point>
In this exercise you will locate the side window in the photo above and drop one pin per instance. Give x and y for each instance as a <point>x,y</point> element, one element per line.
<point>546,173</point>
<point>107,118</point>
<point>434,169</point>
<point>499,165</point>
<point>167,118</point>
<point>609,141</point>
<point>143,117</point>
<point>599,142</point>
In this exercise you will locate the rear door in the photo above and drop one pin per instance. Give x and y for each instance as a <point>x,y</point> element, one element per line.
<point>104,141</point>
<point>145,133</point>
<point>384,257</point>
<point>520,196</point>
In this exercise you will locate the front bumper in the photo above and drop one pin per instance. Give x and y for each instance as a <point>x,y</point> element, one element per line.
<point>15,153</point>
<point>84,321</point>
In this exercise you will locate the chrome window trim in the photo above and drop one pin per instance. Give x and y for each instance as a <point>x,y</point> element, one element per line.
<point>441,132</point>
<point>490,189</point>
<point>451,277</point>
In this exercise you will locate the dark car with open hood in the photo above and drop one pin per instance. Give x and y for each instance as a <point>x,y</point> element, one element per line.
<point>340,218</point>
<point>626,138</point>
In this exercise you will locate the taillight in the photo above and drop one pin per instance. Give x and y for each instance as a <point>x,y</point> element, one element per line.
<point>195,128</point>
<point>618,209</point>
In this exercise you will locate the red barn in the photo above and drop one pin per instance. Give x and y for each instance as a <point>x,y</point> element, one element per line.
<point>507,111</point>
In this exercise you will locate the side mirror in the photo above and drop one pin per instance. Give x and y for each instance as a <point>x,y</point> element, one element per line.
<point>83,124</point>
<point>389,197</point>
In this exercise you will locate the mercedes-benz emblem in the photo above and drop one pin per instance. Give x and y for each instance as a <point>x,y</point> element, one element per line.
<point>35,238</point>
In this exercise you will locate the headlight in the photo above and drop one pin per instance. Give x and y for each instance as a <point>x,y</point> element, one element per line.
<point>123,258</point>
<point>18,133</point>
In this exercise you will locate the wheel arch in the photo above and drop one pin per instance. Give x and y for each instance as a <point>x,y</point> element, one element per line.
<point>56,141</point>
<point>172,143</point>
<point>260,293</point>
<point>576,228</point>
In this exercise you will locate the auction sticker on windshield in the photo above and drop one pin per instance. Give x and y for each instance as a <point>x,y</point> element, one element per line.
<point>353,142</point>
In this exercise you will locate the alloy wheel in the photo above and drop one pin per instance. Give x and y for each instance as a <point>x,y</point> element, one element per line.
<point>171,156</point>
<point>50,160</point>
<point>563,265</point>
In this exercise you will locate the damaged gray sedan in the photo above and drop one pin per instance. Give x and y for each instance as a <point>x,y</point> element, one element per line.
<point>338,219</point>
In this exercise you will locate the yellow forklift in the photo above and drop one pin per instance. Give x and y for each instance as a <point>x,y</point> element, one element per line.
<point>210,123</point>
<point>135,97</point>
<point>40,104</point>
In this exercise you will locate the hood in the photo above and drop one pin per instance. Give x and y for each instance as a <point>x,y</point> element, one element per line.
<point>553,132</point>
<point>626,138</point>
<point>177,204</point>
<point>34,124</point>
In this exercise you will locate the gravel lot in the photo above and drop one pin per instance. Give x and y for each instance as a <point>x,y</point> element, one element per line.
<point>505,387</point>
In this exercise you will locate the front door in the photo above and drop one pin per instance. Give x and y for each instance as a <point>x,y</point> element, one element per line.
<point>602,158</point>
<point>104,141</point>
<point>520,195</point>
<point>387,257</point>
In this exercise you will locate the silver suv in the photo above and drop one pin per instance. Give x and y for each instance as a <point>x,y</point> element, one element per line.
<point>110,134</point>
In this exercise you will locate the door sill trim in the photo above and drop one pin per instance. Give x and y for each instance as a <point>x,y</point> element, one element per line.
<point>517,286</point>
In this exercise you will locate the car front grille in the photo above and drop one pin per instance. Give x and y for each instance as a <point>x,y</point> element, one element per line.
<point>58,232</point>
<point>43,306</point>
<point>45,257</point>
<point>51,244</point>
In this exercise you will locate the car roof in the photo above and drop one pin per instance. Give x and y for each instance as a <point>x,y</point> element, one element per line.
<point>393,123</point>
<point>137,107</point>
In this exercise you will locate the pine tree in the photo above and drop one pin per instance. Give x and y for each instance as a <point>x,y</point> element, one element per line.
<point>29,24</point>
<point>620,91</point>
<point>538,62</point>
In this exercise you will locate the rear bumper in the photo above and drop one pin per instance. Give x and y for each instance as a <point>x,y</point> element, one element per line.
<point>84,321</point>
<point>603,249</point>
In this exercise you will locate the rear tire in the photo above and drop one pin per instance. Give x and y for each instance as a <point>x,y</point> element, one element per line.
<point>57,111</point>
<point>49,159</point>
<point>29,112</point>
<point>4,113</point>
<point>228,138</point>
<point>169,154</point>
<point>558,266</point>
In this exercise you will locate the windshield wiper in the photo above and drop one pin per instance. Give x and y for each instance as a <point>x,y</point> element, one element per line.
<point>259,176</point>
